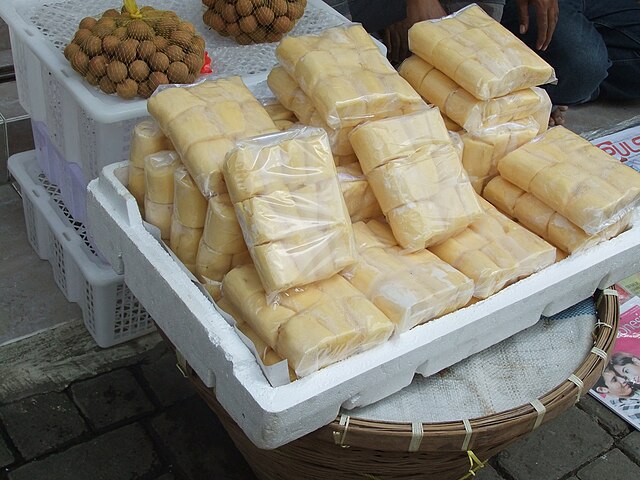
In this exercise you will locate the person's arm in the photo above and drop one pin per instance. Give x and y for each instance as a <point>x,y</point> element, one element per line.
<point>376,15</point>
<point>546,19</point>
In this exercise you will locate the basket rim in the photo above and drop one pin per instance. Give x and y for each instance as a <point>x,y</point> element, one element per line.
<point>478,433</point>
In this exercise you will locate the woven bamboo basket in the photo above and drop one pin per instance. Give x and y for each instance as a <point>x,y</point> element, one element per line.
<point>352,448</point>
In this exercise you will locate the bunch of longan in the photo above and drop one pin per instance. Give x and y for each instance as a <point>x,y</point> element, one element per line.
<point>253,21</point>
<point>133,56</point>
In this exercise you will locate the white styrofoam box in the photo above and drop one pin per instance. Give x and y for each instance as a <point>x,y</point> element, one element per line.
<point>274,416</point>
<point>91,128</point>
<point>111,312</point>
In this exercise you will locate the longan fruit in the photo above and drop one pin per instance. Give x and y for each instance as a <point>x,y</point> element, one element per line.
<point>87,22</point>
<point>127,51</point>
<point>274,37</point>
<point>180,38</point>
<point>144,90</point>
<point>259,35</point>
<point>296,10</point>
<point>177,72</point>
<point>112,12</point>
<point>279,7</point>
<point>185,26</point>
<point>208,19</point>
<point>70,50</point>
<point>92,46</point>
<point>107,86</point>
<point>193,62</point>
<point>120,33</point>
<point>248,24</point>
<point>110,44</point>
<point>117,71</point>
<point>282,24</point>
<point>197,45</point>
<point>80,62</point>
<point>160,42</point>
<point>233,29</point>
<point>139,30</point>
<point>156,79</point>
<point>98,66</point>
<point>174,53</point>
<point>191,78</point>
<point>244,7</point>
<point>92,79</point>
<point>102,29</point>
<point>243,39</point>
<point>127,89</point>
<point>146,49</point>
<point>138,70</point>
<point>81,35</point>
<point>229,13</point>
<point>165,26</point>
<point>209,3</point>
<point>219,5</point>
<point>264,15</point>
<point>159,62</point>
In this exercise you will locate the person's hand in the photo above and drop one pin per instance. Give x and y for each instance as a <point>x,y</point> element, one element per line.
<point>396,35</point>
<point>546,19</point>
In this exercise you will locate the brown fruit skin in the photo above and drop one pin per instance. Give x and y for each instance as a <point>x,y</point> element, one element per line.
<point>177,72</point>
<point>197,45</point>
<point>144,90</point>
<point>187,27</point>
<point>70,50</point>
<point>193,62</point>
<point>248,24</point>
<point>279,7</point>
<point>127,89</point>
<point>81,36</point>
<point>219,5</point>
<point>112,12</point>
<point>166,26</point>
<point>296,10</point>
<point>80,62</point>
<point>243,39</point>
<point>92,79</point>
<point>208,18</point>
<point>264,15</point>
<point>139,30</point>
<point>159,62</point>
<point>259,35</point>
<point>244,7</point>
<point>234,29</point>
<point>191,78</point>
<point>120,33</point>
<point>160,42</point>
<point>274,37</point>
<point>282,24</point>
<point>127,51</point>
<point>110,44</point>
<point>180,38</point>
<point>156,79</point>
<point>174,53</point>
<point>98,66</point>
<point>102,29</point>
<point>138,70</point>
<point>107,86</point>
<point>146,49</point>
<point>229,13</point>
<point>87,22</point>
<point>208,3</point>
<point>92,46</point>
<point>117,71</point>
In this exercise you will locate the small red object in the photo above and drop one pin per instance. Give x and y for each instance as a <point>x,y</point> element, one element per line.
<point>206,68</point>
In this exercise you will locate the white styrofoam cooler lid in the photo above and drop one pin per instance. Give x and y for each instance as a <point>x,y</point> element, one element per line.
<point>48,26</point>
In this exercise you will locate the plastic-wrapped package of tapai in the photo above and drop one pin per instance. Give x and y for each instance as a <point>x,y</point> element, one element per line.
<point>313,326</point>
<point>495,251</point>
<point>358,196</point>
<point>222,246</point>
<point>184,242</point>
<point>417,177</point>
<point>346,77</point>
<point>204,120</point>
<point>592,189</point>
<point>478,53</point>
<point>135,185</point>
<point>159,215</point>
<point>409,289</point>
<point>147,138</point>
<point>466,110</point>
<point>286,195</point>
<point>158,175</point>
<point>189,205</point>
<point>543,220</point>
<point>483,148</point>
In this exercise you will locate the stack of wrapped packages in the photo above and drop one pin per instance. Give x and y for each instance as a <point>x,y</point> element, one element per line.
<point>347,211</point>
<point>485,80</point>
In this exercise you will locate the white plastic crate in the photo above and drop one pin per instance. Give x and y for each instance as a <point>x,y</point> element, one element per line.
<point>111,312</point>
<point>272,416</point>
<point>86,126</point>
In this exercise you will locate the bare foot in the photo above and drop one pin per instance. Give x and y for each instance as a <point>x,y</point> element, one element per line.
<point>557,115</point>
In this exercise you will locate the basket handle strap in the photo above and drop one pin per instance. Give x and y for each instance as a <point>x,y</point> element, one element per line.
<point>578,383</point>
<point>417,433</point>
<point>339,437</point>
<point>541,409</point>
<point>467,437</point>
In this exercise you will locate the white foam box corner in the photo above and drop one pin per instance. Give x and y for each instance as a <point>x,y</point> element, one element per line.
<point>270,416</point>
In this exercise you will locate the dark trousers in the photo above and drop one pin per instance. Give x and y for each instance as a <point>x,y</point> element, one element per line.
<point>595,49</point>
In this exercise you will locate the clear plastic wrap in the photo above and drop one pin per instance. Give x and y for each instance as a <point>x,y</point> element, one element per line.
<point>466,110</point>
<point>483,148</point>
<point>189,205</point>
<point>147,138</point>
<point>159,214</point>
<point>417,177</point>
<point>184,242</point>
<point>358,197</point>
<point>311,327</point>
<point>495,251</point>
<point>576,179</point>
<point>287,198</point>
<point>158,175</point>
<point>278,112</point>
<point>204,120</point>
<point>409,289</point>
<point>543,220</point>
<point>135,185</point>
<point>342,71</point>
<point>478,53</point>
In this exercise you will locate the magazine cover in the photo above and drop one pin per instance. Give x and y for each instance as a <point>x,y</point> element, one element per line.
<point>619,386</point>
